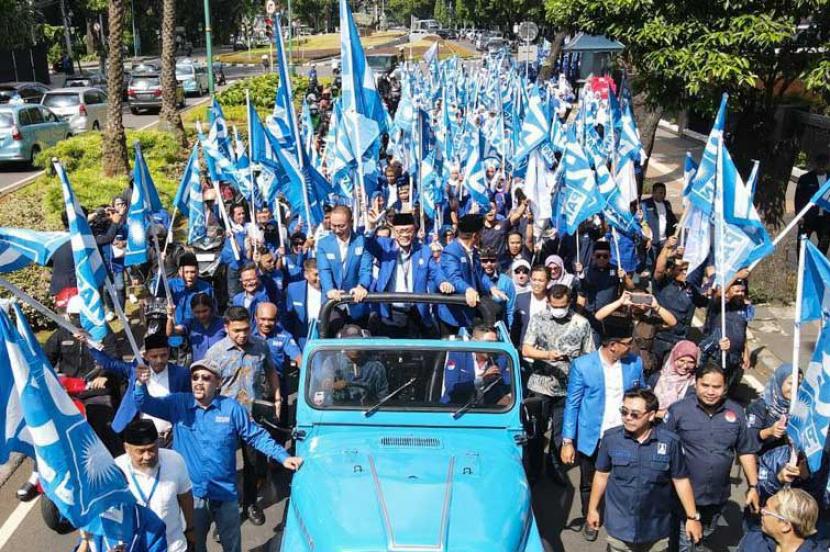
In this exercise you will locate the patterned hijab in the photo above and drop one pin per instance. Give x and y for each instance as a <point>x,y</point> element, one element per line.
<point>675,380</point>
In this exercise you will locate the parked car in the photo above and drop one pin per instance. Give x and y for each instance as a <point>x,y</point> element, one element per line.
<point>83,108</point>
<point>86,80</point>
<point>26,130</point>
<point>144,93</point>
<point>192,76</point>
<point>29,92</point>
<point>428,460</point>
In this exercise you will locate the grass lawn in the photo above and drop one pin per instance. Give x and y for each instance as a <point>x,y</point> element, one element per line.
<point>311,47</point>
<point>445,49</point>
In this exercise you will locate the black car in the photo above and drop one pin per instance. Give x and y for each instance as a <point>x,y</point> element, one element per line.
<point>29,92</point>
<point>144,93</point>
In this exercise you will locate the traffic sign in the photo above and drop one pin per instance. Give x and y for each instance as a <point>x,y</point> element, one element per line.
<point>528,31</point>
<point>270,7</point>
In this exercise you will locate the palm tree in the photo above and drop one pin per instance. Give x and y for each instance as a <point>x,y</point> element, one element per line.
<point>171,121</point>
<point>114,154</point>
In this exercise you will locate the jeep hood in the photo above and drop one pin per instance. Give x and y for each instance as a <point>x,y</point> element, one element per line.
<point>388,491</point>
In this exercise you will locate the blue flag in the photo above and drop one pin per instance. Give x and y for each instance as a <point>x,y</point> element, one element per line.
<point>689,170</point>
<point>90,272</point>
<point>283,122</point>
<point>136,252</point>
<point>20,247</point>
<point>702,189</point>
<point>76,471</point>
<point>475,179</point>
<point>431,185</point>
<point>580,198</point>
<point>740,236</point>
<point>189,199</point>
<point>218,133</point>
<point>534,129</point>
<point>822,196</point>
<point>810,416</point>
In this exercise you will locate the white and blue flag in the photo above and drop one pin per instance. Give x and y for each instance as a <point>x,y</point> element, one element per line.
<point>283,122</point>
<point>810,414</point>
<point>20,247</point>
<point>475,179</point>
<point>136,252</point>
<point>701,191</point>
<point>579,196</point>
<point>90,272</point>
<point>189,200</point>
<point>77,472</point>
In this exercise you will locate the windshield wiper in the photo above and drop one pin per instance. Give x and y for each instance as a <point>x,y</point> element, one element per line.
<point>389,397</point>
<point>474,400</point>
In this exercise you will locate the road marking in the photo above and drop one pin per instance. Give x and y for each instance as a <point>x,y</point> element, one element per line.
<point>15,519</point>
<point>14,186</point>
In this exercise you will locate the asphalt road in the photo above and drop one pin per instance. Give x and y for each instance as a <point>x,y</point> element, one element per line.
<point>13,175</point>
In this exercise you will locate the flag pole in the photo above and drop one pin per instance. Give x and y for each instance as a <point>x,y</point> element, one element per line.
<point>224,214</point>
<point>169,238</point>
<point>128,331</point>
<point>799,293</point>
<point>721,253</point>
<point>45,311</point>
<point>616,241</point>
<point>790,225</point>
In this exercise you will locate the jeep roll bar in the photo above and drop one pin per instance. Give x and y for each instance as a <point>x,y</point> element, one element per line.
<point>485,309</point>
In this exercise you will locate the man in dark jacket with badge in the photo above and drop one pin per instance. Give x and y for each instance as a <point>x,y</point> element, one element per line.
<point>713,430</point>
<point>637,467</point>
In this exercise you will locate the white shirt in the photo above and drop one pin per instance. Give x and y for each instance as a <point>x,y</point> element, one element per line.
<point>660,207</point>
<point>537,305</point>
<point>344,249</point>
<point>613,394</point>
<point>312,302</point>
<point>159,386</point>
<point>403,272</point>
<point>173,480</point>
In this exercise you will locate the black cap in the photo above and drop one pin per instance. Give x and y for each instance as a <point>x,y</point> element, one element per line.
<point>298,237</point>
<point>403,219</point>
<point>602,246</point>
<point>155,341</point>
<point>488,253</point>
<point>617,328</point>
<point>188,259</point>
<point>470,223</point>
<point>140,432</point>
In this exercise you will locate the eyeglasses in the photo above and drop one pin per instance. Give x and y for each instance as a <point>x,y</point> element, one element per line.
<point>633,414</point>
<point>488,261</point>
<point>765,512</point>
<point>201,377</point>
<point>521,271</point>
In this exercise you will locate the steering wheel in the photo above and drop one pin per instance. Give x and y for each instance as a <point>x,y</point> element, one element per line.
<point>354,385</point>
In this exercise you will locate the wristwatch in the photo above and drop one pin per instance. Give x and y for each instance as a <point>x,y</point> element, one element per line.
<point>695,517</point>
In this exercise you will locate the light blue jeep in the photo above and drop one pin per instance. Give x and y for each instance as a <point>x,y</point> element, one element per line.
<point>409,445</point>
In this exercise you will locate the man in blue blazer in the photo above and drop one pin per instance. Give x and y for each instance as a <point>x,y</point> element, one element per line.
<point>302,302</point>
<point>164,375</point>
<point>343,266</point>
<point>406,266</point>
<point>596,384</point>
<point>467,374</point>
<point>461,266</point>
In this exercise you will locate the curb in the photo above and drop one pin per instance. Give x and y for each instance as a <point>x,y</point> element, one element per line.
<point>764,362</point>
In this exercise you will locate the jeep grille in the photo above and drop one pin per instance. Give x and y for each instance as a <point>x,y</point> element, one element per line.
<point>410,442</point>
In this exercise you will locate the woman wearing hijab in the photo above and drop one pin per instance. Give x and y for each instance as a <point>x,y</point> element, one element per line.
<point>558,274</point>
<point>677,376</point>
<point>766,416</point>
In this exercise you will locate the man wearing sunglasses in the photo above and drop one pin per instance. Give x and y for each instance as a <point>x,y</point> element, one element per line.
<point>596,384</point>
<point>637,467</point>
<point>600,283</point>
<point>207,427</point>
<point>501,281</point>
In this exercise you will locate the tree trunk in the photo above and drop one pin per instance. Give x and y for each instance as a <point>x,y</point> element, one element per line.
<point>170,119</point>
<point>114,155</point>
<point>555,51</point>
<point>647,118</point>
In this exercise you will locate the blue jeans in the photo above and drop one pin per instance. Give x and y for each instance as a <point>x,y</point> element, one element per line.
<point>709,517</point>
<point>225,515</point>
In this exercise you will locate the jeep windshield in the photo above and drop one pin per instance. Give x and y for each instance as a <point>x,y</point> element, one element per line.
<point>425,379</point>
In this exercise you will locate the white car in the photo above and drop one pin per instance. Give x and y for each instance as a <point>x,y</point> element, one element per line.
<point>83,108</point>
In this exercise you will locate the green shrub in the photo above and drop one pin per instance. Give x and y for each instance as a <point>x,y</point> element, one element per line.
<point>263,90</point>
<point>81,157</point>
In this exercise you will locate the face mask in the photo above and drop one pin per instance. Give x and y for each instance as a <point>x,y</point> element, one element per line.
<point>559,313</point>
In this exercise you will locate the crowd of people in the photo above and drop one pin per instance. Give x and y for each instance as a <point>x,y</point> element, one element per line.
<point>619,381</point>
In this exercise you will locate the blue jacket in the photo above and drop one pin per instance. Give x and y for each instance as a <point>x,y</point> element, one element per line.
<point>505,284</point>
<point>521,318</point>
<point>178,379</point>
<point>296,312</point>
<point>385,250</point>
<point>585,403</point>
<point>335,273</point>
<point>261,295</point>
<point>458,272</point>
<point>459,378</point>
<point>652,218</point>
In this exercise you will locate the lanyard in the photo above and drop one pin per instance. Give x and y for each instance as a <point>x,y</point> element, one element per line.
<point>146,499</point>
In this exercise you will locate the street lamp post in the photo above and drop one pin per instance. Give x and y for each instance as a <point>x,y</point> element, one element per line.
<point>209,47</point>
<point>136,38</point>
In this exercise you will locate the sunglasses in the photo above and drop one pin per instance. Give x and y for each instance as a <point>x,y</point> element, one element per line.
<point>521,271</point>
<point>201,377</point>
<point>488,261</point>
<point>633,414</point>
<point>765,512</point>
